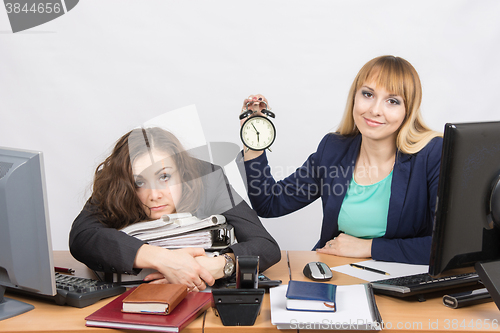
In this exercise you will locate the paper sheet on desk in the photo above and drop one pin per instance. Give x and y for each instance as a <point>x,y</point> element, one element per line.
<point>393,268</point>
<point>353,312</point>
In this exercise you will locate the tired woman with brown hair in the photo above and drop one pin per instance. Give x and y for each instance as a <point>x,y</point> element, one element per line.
<point>147,175</point>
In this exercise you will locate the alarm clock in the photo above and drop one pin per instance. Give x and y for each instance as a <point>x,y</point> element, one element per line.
<point>257,132</point>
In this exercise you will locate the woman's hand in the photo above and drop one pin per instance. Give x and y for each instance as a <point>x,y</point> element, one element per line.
<point>255,103</point>
<point>215,265</point>
<point>348,246</point>
<point>174,266</point>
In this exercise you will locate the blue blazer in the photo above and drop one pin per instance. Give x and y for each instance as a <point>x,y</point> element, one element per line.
<point>326,174</point>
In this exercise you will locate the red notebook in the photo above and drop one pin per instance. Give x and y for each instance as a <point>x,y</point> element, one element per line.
<point>111,315</point>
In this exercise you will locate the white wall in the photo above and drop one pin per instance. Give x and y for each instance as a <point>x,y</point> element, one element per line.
<point>72,86</point>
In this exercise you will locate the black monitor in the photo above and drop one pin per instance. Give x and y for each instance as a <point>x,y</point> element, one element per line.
<point>467,220</point>
<point>25,242</point>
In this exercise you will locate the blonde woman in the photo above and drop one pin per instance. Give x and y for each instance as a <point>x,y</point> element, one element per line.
<point>377,176</point>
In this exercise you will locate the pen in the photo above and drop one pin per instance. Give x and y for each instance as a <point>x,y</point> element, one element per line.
<point>369,269</point>
<point>64,270</point>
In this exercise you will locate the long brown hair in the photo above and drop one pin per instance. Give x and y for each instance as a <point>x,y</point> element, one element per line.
<point>114,191</point>
<point>397,76</point>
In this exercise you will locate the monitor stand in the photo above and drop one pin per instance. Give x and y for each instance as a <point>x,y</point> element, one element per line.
<point>489,272</point>
<point>10,307</point>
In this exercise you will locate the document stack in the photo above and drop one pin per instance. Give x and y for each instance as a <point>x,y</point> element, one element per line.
<point>183,230</point>
<point>176,231</point>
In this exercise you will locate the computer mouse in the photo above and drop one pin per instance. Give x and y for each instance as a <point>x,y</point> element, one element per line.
<point>318,271</point>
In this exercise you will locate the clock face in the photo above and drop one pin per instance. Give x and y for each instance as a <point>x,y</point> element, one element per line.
<point>258,133</point>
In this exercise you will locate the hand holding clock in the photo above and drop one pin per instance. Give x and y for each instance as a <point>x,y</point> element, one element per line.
<point>257,131</point>
<point>258,103</point>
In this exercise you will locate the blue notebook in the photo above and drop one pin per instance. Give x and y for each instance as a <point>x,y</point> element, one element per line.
<point>311,296</point>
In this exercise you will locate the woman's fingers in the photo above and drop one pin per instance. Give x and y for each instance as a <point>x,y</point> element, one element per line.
<point>255,103</point>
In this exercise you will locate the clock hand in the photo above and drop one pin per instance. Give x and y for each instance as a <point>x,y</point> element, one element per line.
<point>255,129</point>
<point>256,132</point>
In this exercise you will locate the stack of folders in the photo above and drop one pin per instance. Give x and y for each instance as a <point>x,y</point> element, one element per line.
<point>324,306</point>
<point>175,231</point>
<point>211,239</point>
<point>160,308</point>
<point>183,230</point>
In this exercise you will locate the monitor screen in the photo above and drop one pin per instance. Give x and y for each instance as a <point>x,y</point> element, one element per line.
<point>464,228</point>
<point>25,243</point>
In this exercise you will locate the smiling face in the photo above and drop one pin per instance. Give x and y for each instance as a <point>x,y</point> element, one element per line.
<point>157,183</point>
<point>378,113</point>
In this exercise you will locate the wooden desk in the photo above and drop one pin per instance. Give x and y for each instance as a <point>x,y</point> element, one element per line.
<point>403,315</point>
<point>48,317</point>
<point>407,315</point>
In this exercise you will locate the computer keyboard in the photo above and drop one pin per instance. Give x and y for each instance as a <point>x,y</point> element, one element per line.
<point>77,291</point>
<point>422,283</point>
<point>81,292</point>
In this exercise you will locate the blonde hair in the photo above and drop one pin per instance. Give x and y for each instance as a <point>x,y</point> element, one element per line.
<point>397,76</point>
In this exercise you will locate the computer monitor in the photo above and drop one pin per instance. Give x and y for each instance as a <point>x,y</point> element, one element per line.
<point>25,242</point>
<point>467,220</point>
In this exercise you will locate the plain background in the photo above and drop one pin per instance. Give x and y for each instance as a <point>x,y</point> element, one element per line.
<point>72,86</point>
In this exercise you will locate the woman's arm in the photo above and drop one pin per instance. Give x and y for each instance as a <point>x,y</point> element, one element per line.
<point>102,248</point>
<point>110,250</point>
<point>416,250</point>
<point>175,266</point>
<point>253,239</point>
<point>348,246</point>
<point>214,265</point>
<point>271,198</point>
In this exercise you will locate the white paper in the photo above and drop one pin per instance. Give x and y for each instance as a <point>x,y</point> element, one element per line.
<point>353,311</point>
<point>393,268</point>
<point>201,239</point>
<point>142,230</point>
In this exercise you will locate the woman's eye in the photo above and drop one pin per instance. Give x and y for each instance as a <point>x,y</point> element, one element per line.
<point>164,177</point>
<point>139,183</point>
<point>367,94</point>
<point>394,101</point>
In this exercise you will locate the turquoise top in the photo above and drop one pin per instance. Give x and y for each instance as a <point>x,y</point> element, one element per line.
<point>364,211</point>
